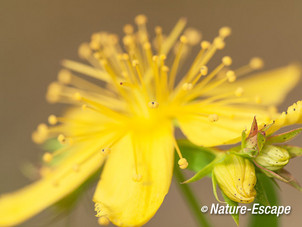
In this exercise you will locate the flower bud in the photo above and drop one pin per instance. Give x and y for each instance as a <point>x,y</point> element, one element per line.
<point>273,157</point>
<point>236,178</point>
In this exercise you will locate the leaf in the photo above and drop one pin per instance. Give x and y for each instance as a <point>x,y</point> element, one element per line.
<point>261,194</point>
<point>205,171</point>
<point>260,140</point>
<point>197,157</point>
<point>266,220</point>
<point>243,139</point>
<point>284,137</point>
<point>291,180</point>
<point>271,173</point>
<point>231,203</point>
<point>254,129</point>
<point>214,184</point>
<point>293,150</point>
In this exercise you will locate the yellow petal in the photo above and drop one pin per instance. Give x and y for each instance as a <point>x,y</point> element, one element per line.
<point>22,204</point>
<point>293,115</point>
<point>270,87</point>
<point>132,203</point>
<point>232,120</point>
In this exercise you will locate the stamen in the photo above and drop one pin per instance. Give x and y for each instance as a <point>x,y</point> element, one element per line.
<point>62,139</point>
<point>153,104</point>
<point>172,76</point>
<point>128,29</point>
<point>231,76</point>
<point>159,39</point>
<point>47,157</point>
<point>182,162</point>
<point>224,32</point>
<point>187,86</point>
<point>254,64</point>
<point>106,150</point>
<point>213,117</point>
<point>239,91</point>
<point>103,221</point>
<point>41,134</point>
<point>52,120</point>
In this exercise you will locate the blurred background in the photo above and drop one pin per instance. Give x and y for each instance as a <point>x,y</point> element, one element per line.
<point>36,35</point>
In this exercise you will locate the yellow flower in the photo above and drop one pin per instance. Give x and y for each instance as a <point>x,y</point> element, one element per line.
<point>236,177</point>
<point>125,113</point>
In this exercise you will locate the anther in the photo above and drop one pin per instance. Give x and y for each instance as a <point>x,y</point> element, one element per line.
<point>52,120</point>
<point>227,61</point>
<point>84,51</point>
<point>213,117</point>
<point>239,91</point>
<point>77,96</point>
<point>183,163</point>
<point>258,99</point>
<point>84,107</point>
<point>224,32</point>
<point>103,221</point>
<point>134,63</point>
<point>165,68</point>
<point>137,177</point>
<point>219,43</point>
<point>187,86</point>
<point>231,76</point>
<point>183,39</point>
<point>128,29</point>
<point>205,45</point>
<point>64,76</point>
<point>256,63</point>
<point>140,19</point>
<point>204,70</point>
<point>47,157</point>
<point>158,30</point>
<point>147,45</point>
<point>62,139</point>
<point>53,92</point>
<point>193,36</point>
<point>106,150</point>
<point>153,104</point>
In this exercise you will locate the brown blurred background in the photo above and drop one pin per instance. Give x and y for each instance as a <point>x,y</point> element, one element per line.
<point>36,35</point>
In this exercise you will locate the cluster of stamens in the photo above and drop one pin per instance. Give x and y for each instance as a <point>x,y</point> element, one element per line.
<point>138,80</point>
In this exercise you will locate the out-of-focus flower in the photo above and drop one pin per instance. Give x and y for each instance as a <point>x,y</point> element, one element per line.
<point>129,122</point>
<point>273,157</point>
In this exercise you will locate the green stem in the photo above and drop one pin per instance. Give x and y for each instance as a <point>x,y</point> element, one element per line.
<point>190,198</point>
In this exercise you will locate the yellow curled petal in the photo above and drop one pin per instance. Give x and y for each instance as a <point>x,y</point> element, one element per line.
<point>129,193</point>
<point>22,204</point>
<point>293,115</point>
<point>270,87</point>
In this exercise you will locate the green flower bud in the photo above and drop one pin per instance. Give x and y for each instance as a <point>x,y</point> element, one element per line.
<point>273,157</point>
<point>236,178</point>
